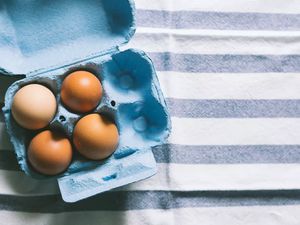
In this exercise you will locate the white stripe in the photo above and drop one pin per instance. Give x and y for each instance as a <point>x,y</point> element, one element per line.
<point>227,86</point>
<point>214,32</point>
<point>134,217</point>
<point>185,177</point>
<point>230,86</point>
<point>179,177</point>
<point>267,6</point>
<point>250,131</point>
<point>223,86</point>
<point>216,41</point>
<point>246,215</point>
<point>235,131</point>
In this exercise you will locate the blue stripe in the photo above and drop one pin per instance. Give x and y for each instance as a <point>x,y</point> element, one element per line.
<point>194,63</point>
<point>203,154</point>
<point>227,154</point>
<point>8,160</point>
<point>117,201</point>
<point>217,20</point>
<point>233,108</point>
<point>5,82</point>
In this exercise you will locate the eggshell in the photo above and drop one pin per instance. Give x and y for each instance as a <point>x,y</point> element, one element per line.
<point>50,152</point>
<point>81,91</point>
<point>95,136</point>
<point>33,106</point>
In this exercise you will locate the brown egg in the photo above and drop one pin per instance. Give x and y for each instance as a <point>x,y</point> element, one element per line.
<point>50,152</point>
<point>95,136</point>
<point>34,106</point>
<point>81,91</point>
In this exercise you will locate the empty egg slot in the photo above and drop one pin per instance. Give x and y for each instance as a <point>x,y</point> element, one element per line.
<point>156,119</point>
<point>126,80</point>
<point>135,68</point>
<point>128,71</point>
<point>147,118</point>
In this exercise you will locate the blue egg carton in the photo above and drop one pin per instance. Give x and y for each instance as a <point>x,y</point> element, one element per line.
<point>47,40</point>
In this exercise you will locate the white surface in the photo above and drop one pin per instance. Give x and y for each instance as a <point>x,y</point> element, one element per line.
<point>250,131</point>
<point>267,6</point>
<point>199,131</point>
<point>230,85</point>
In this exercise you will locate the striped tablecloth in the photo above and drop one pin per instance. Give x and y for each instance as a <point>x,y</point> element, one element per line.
<point>229,70</point>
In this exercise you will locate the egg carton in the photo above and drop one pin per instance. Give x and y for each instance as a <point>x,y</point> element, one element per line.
<point>131,94</point>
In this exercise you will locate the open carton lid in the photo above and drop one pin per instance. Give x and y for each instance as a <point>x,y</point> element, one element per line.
<point>43,35</point>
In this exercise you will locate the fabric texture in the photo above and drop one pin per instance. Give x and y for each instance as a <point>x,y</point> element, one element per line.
<point>230,73</point>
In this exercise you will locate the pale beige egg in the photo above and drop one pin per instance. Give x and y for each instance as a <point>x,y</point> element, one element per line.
<point>34,106</point>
